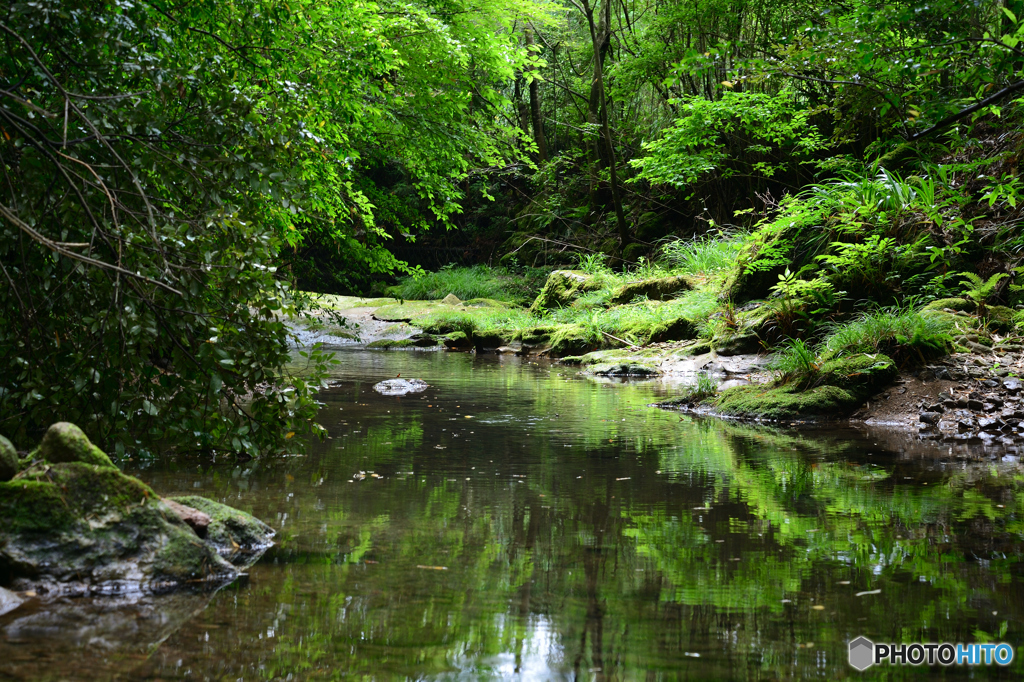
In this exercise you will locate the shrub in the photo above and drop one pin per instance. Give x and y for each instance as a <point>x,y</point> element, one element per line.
<point>903,334</point>
<point>704,255</point>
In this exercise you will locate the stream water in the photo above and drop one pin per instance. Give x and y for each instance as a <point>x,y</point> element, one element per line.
<point>519,521</point>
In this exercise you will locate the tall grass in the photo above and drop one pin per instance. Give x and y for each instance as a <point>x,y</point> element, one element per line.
<point>478,281</point>
<point>903,333</point>
<point>704,255</point>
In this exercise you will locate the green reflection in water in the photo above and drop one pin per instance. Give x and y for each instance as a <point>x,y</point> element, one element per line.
<point>529,523</point>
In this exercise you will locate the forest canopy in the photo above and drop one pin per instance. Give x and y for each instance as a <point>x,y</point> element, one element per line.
<point>174,173</point>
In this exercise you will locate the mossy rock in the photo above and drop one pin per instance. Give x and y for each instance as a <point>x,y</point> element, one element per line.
<point>424,341</point>
<point>697,347</point>
<point>679,329</point>
<point>406,312</point>
<point>999,317</point>
<point>743,343</point>
<point>451,299</point>
<point>65,442</point>
<point>655,289</point>
<point>958,304</point>
<point>391,344</point>
<point>97,529</point>
<point>9,464</point>
<point>863,374</point>
<point>231,532</point>
<point>458,341</point>
<point>534,336</point>
<point>624,369</point>
<point>572,339</point>
<point>743,283</point>
<point>448,322</point>
<point>489,340</point>
<point>785,402</point>
<point>563,287</point>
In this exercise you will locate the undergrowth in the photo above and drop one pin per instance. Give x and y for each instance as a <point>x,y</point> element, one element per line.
<point>517,286</point>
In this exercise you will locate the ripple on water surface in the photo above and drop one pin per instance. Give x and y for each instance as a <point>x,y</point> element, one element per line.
<point>516,520</point>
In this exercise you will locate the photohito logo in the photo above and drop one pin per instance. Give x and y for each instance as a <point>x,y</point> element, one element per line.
<point>864,653</point>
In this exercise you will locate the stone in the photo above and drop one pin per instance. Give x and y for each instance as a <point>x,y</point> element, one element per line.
<point>1012,386</point>
<point>655,289</point>
<point>235,534</point>
<point>937,407</point>
<point>8,460</point>
<point>458,341</point>
<point>965,425</point>
<point>79,528</point>
<point>990,424</point>
<point>451,299</point>
<point>975,405</point>
<point>990,383</point>
<point>930,417</point>
<point>563,287</point>
<point>64,442</point>
<point>9,601</point>
<point>400,386</point>
<point>193,518</point>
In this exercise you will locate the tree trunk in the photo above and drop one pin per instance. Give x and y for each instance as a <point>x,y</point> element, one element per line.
<point>536,119</point>
<point>601,36</point>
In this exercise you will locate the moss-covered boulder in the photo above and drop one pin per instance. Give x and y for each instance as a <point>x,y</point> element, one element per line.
<point>742,343</point>
<point>957,304</point>
<point>655,289</point>
<point>563,287</point>
<point>489,340</point>
<point>8,460</point>
<point>72,523</point>
<point>624,369</point>
<point>838,388</point>
<point>65,442</point>
<point>233,533</point>
<point>999,317</point>
<point>572,339</point>
<point>784,402</point>
<point>392,344</point>
<point>458,341</point>
<point>863,374</point>
<point>85,528</point>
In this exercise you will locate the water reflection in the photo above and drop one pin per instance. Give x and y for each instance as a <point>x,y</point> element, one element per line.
<point>518,521</point>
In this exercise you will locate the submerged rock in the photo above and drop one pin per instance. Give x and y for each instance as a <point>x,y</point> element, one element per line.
<point>400,386</point>
<point>69,526</point>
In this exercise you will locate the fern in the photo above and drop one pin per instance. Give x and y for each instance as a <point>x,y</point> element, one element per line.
<point>979,290</point>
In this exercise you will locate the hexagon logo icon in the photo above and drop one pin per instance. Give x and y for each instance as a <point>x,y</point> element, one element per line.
<point>862,653</point>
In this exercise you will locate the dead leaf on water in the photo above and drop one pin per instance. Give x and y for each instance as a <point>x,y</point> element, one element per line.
<point>434,568</point>
<point>818,607</point>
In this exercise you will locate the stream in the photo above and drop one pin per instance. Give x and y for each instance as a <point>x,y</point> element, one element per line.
<point>520,521</point>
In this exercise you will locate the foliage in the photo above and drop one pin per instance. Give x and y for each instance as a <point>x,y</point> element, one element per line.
<point>705,387</point>
<point>704,255</point>
<point>980,290</point>
<point>904,334</point>
<point>756,128</point>
<point>478,281</point>
<point>794,361</point>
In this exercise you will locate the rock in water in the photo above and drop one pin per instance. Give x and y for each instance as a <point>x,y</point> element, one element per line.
<point>400,386</point>
<point>8,460</point>
<point>69,526</point>
<point>233,533</point>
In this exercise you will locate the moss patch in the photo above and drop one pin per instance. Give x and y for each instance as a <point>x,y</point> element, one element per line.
<point>65,442</point>
<point>9,463</point>
<point>785,402</point>
<point>563,287</point>
<point>655,289</point>
<point>863,375</point>
<point>388,344</point>
<point>231,530</point>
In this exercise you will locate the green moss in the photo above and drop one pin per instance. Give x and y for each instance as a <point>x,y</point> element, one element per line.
<point>785,402</point>
<point>387,344</point>
<point>958,304</point>
<point>28,506</point>
<point>406,312</point>
<point>445,322</point>
<point>999,317</point>
<point>185,557</point>
<point>9,464</point>
<point>230,529</point>
<point>655,289</point>
<point>624,369</point>
<point>65,442</point>
<point>458,341</point>
<point>489,339</point>
<point>573,339</point>
<point>563,287</point>
<point>484,303</point>
<point>742,343</point>
<point>863,375</point>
